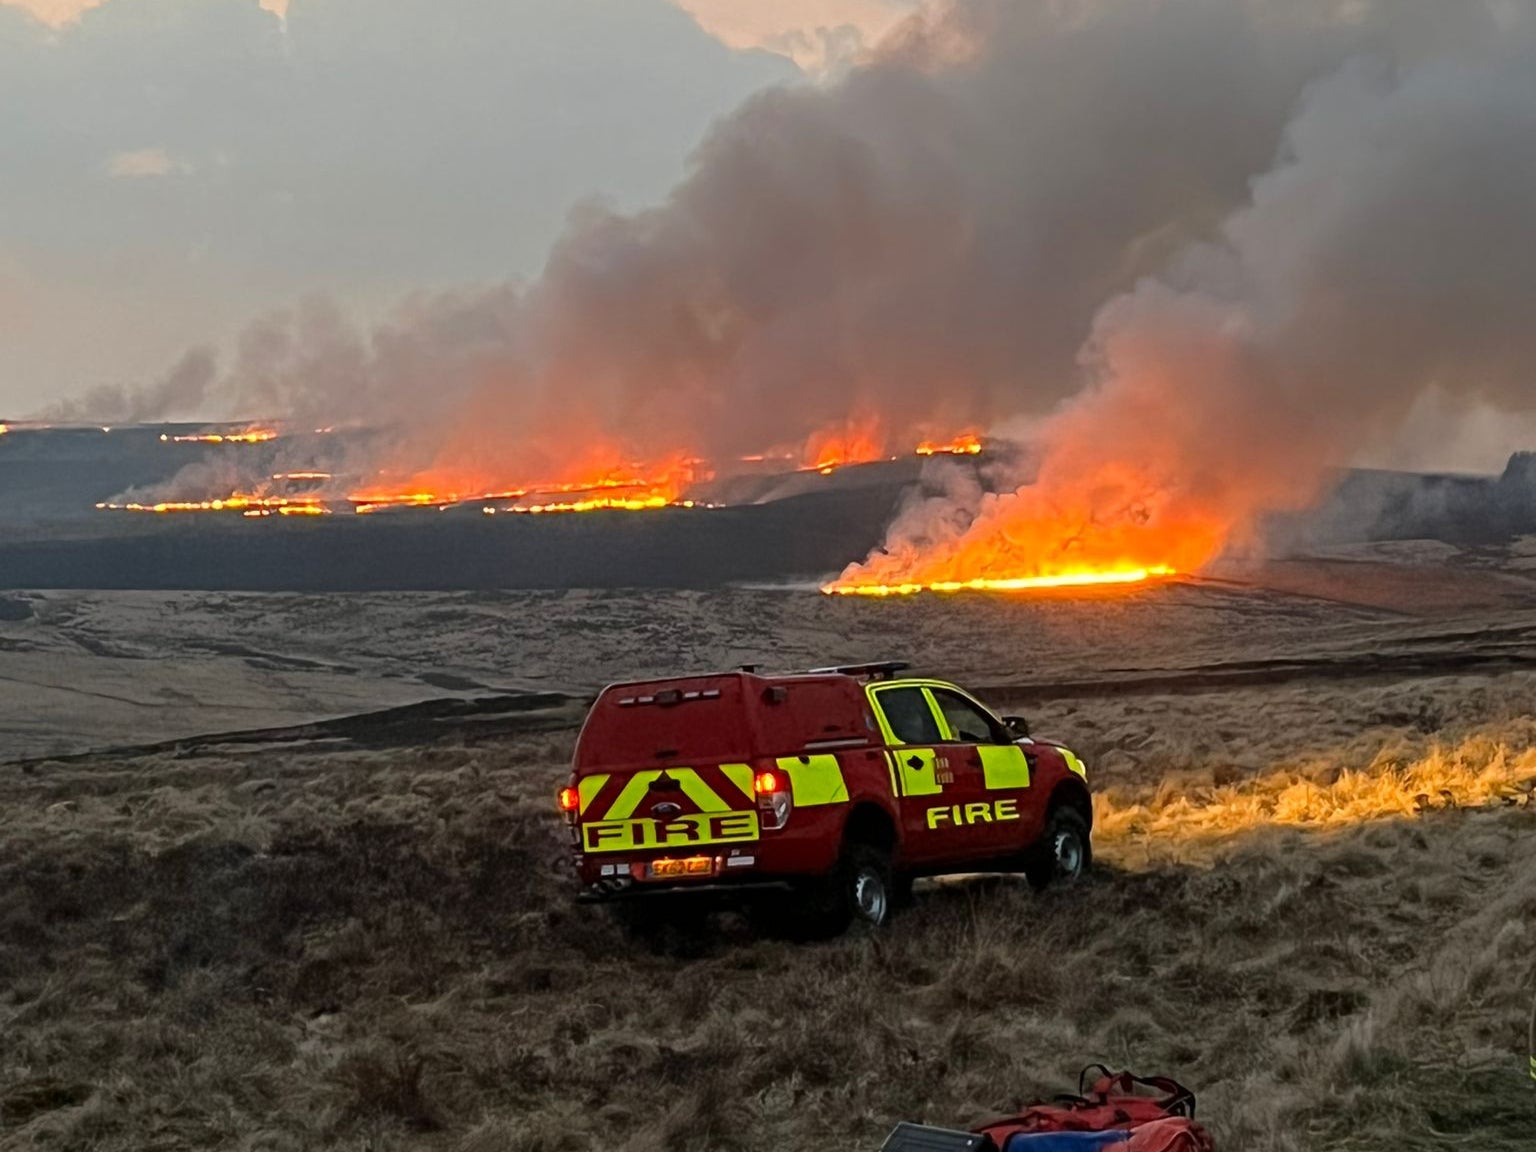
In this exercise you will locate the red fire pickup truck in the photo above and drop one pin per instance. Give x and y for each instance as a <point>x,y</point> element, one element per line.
<point>835,786</point>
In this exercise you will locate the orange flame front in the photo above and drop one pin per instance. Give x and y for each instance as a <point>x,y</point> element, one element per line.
<point>250,504</point>
<point>596,477</point>
<point>857,440</point>
<point>1113,527</point>
<point>966,444</point>
<point>246,436</point>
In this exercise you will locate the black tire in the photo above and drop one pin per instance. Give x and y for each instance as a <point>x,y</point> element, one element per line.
<point>1064,852</point>
<point>859,890</point>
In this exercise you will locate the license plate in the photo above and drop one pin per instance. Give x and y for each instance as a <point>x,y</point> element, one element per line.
<point>689,866</point>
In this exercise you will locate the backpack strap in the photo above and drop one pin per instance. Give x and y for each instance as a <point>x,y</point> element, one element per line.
<point>1171,1096</point>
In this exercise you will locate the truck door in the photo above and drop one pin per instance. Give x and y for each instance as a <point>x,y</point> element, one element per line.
<point>996,771</point>
<point>910,724</point>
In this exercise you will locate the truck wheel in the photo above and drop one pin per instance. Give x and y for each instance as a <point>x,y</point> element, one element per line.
<point>867,880</point>
<point>1064,853</point>
<point>860,888</point>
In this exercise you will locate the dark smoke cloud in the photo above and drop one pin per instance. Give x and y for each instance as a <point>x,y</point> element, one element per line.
<point>1272,223</point>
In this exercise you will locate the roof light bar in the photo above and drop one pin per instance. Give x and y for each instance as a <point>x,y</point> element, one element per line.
<point>877,670</point>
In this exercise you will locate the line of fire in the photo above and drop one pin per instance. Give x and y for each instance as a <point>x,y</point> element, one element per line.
<point>304,478</point>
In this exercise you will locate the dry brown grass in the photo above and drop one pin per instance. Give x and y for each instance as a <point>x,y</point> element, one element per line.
<point>286,949</point>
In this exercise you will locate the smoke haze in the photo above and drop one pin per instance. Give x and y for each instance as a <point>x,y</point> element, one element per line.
<point>1206,249</point>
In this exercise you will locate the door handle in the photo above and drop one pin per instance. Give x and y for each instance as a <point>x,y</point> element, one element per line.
<point>914,762</point>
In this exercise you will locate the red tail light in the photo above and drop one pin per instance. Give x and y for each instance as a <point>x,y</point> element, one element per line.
<point>569,800</point>
<point>774,800</point>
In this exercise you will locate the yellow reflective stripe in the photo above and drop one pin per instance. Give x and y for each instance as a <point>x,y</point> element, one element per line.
<point>923,778</point>
<point>875,706</point>
<point>814,780</point>
<point>1074,764</point>
<point>890,766</point>
<point>1004,766</point>
<point>741,776</point>
<point>588,787</point>
<point>702,795</point>
<point>629,799</point>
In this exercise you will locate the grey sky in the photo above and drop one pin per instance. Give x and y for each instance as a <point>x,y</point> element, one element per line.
<point>171,168</point>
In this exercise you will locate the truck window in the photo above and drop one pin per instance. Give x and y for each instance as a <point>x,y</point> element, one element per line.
<point>907,712</point>
<point>970,724</point>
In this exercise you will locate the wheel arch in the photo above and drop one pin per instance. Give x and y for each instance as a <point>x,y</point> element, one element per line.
<point>869,823</point>
<point>1071,793</point>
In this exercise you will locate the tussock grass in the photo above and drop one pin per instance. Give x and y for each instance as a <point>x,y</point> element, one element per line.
<point>289,950</point>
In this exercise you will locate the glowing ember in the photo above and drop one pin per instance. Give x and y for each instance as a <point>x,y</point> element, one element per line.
<point>4,428</point>
<point>966,444</point>
<point>1005,584</point>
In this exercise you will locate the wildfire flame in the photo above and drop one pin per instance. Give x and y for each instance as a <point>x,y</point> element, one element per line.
<point>595,480</point>
<point>1112,525</point>
<point>966,444</point>
<point>857,441</point>
<point>1082,579</point>
<point>248,436</point>
<point>631,487</point>
<point>249,504</point>
<point>596,504</point>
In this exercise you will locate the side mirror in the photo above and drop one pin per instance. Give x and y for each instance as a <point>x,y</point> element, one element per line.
<point>1018,726</point>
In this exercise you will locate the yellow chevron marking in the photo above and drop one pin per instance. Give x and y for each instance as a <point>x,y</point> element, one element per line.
<point>588,787</point>
<point>629,799</point>
<point>741,776</point>
<point>702,795</point>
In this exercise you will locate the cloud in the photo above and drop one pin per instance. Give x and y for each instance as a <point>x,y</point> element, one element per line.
<point>53,12</point>
<point>820,36</point>
<point>368,148</point>
<point>56,13</point>
<point>147,162</point>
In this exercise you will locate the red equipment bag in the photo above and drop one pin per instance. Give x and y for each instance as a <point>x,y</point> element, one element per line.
<point>1157,1113</point>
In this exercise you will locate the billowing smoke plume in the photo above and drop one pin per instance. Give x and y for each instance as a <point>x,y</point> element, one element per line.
<point>1386,254</point>
<point>1221,244</point>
